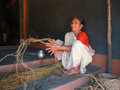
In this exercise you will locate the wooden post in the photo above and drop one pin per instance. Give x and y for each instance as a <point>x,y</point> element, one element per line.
<point>24,19</point>
<point>109,49</point>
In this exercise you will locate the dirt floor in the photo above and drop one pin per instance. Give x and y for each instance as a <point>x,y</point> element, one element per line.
<point>49,81</point>
<point>55,79</point>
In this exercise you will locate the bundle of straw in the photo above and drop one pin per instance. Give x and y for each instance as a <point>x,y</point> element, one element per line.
<point>104,81</point>
<point>11,81</point>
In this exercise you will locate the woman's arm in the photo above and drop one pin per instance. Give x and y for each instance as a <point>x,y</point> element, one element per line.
<point>64,48</point>
<point>52,46</point>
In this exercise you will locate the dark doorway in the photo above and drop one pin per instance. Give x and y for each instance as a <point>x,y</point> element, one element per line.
<point>10,22</point>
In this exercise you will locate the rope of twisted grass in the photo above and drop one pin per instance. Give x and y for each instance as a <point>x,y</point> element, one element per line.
<point>11,81</point>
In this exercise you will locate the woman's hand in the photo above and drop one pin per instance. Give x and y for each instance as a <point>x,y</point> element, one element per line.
<point>52,46</point>
<point>52,41</point>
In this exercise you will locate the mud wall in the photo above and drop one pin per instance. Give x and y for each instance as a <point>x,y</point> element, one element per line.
<point>51,18</point>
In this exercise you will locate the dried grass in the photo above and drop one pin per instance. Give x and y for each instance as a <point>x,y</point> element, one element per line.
<point>11,81</point>
<point>104,81</point>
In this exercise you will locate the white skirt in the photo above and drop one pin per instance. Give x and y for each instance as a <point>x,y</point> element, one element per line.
<point>80,55</point>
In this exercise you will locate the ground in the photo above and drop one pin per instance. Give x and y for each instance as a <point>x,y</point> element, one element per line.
<point>55,79</point>
<point>48,81</point>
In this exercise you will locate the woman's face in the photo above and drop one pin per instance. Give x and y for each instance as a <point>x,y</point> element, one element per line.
<point>76,25</point>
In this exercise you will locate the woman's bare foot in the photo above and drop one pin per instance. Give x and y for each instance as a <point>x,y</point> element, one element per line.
<point>61,68</point>
<point>71,71</point>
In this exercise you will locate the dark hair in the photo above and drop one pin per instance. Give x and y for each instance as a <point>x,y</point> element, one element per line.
<point>82,21</point>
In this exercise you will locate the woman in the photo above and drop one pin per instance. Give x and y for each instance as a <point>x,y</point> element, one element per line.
<point>76,52</point>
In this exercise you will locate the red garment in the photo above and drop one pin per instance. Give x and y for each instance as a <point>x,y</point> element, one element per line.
<point>82,36</point>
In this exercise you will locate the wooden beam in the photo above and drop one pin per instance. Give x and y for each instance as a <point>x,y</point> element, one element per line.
<point>109,49</point>
<point>24,19</point>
